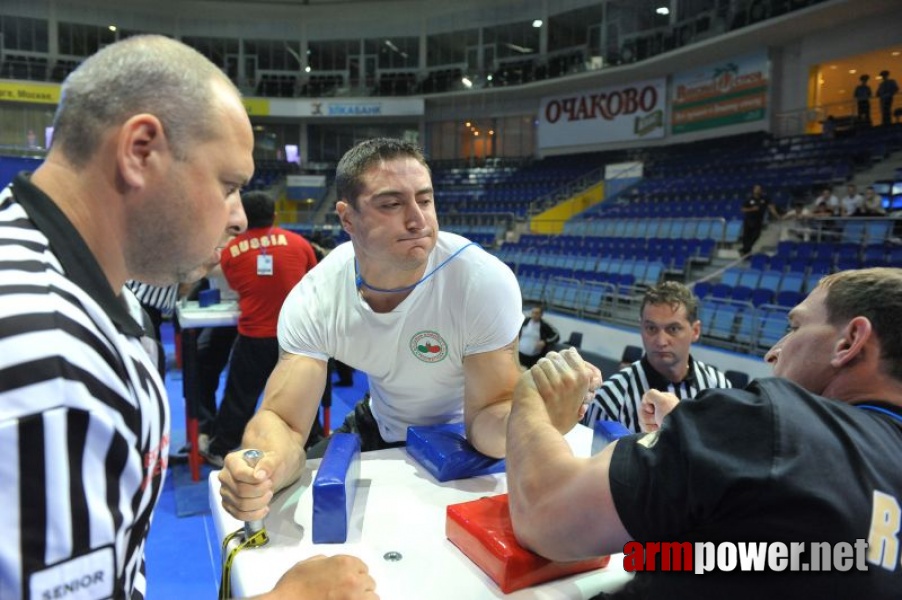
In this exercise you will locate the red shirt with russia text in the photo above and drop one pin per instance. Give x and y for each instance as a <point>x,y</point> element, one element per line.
<point>260,297</point>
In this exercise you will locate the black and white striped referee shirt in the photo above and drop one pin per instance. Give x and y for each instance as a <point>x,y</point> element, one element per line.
<point>620,395</point>
<point>163,298</point>
<point>84,421</point>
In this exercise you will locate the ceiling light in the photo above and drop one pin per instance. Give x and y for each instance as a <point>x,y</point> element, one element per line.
<point>112,28</point>
<point>662,10</point>
<point>306,69</point>
<point>537,23</point>
<point>852,71</point>
<point>467,83</point>
<point>896,53</point>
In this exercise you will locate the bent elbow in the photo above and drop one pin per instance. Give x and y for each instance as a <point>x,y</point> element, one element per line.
<point>534,528</point>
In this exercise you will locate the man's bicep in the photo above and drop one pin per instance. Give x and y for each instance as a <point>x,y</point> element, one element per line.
<point>490,377</point>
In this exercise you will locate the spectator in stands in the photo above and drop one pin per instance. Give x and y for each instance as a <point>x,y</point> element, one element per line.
<point>799,213</point>
<point>262,265</point>
<point>886,91</point>
<point>754,209</point>
<point>669,325</point>
<point>826,204</point>
<point>862,95</point>
<point>800,457</point>
<point>537,337</point>
<point>851,203</point>
<point>872,204</point>
<point>430,318</point>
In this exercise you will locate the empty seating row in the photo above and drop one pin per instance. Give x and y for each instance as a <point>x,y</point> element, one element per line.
<point>719,229</point>
<point>644,272</point>
<point>787,297</point>
<point>586,295</point>
<point>741,326</point>
<point>788,250</point>
<point>775,281</point>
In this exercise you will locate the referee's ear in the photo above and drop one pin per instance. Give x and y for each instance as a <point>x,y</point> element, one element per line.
<point>142,150</point>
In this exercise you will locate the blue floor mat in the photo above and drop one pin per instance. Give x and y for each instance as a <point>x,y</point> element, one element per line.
<point>191,497</point>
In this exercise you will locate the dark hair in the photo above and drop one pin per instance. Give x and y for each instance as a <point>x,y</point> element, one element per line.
<point>259,208</point>
<point>359,159</point>
<point>875,294</point>
<point>674,294</point>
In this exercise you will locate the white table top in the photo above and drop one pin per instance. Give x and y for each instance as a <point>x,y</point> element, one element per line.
<point>191,315</point>
<point>399,507</point>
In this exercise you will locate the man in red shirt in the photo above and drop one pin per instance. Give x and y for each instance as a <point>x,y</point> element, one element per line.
<point>262,265</point>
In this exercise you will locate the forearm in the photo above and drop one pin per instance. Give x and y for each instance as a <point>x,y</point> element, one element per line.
<point>290,404</point>
<point>487,431</point>
<point>538,460</point>
<point>543,475</point>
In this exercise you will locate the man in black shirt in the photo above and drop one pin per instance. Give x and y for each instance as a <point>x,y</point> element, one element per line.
<point>808,456</point>
<point>753,211</point>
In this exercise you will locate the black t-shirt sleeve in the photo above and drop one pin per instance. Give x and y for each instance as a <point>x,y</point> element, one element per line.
<point>673,483</point>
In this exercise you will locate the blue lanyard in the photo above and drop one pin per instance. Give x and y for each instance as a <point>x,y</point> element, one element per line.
<point>880,410</point>
<point>362,283</point>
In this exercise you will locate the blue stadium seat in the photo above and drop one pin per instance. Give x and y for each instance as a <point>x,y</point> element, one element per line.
<point>730,277</point>
<point>770,280</point>
<point>759,261</point>
<point>701,289</point>
<point>746,325</point>
<point>789,298</point>
<point>874,255</point>
<point>772,325</point>
<point>792,281</point>
<point>762,296</point>
<point>749,277</point>
<point>742,293</point>
<point>723,321</point>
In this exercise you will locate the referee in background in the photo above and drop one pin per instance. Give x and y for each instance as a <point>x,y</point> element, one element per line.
<point>669,325</point>
<point>158,302</point>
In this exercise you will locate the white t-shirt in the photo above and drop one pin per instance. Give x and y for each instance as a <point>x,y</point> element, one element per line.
<point>851,204</point>
<point>530,336</point>
<point>413,355</point>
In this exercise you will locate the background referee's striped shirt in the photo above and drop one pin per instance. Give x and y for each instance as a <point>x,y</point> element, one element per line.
<point>84,422</point>
<point>163,298</point>
<point>620,395</point>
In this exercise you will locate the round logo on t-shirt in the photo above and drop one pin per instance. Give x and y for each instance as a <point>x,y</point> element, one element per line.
<point>428,346</point>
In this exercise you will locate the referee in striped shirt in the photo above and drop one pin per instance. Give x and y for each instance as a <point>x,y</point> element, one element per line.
<point>152,145</point>
<point>669,324</point>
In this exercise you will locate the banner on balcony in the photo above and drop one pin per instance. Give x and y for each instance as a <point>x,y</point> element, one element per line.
<point>717,95</point>
<point>628,112</point>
